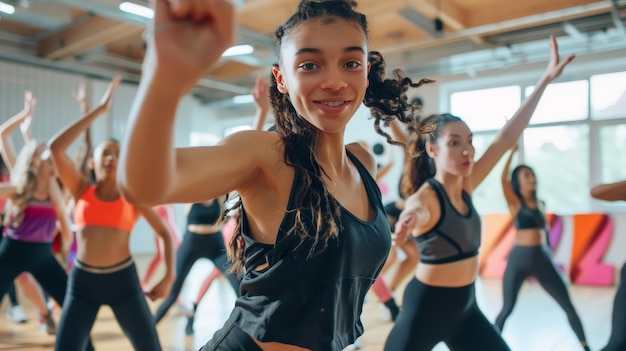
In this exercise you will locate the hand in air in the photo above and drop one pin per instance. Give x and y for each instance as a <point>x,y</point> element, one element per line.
<point>105,102</point>
<point>188,37</point>
<point>556,65</point>
<point>259,93</point>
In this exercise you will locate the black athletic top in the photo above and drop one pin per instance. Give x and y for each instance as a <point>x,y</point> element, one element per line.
<point>455,236</point>
<point>201,214</point>
<point>312,300</point>
<point>528,218</point>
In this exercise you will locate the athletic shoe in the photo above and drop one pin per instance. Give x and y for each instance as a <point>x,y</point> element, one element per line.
<point>47,324</point>
<point>16,314</point>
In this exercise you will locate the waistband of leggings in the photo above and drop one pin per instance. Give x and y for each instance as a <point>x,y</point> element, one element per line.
<point>104,270</point>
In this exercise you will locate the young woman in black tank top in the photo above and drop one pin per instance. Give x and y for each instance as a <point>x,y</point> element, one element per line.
<point>617,341</point>
<point>439,304</point>
<point>202,239</point>
<point>310,209</point>
<point>531,254</point>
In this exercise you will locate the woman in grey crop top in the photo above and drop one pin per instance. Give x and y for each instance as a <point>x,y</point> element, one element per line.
<point>439,303</point>
<point>531,254</point>
<point>309,207</point>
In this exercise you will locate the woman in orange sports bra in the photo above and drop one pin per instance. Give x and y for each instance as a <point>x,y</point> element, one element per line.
<point>104,272</point>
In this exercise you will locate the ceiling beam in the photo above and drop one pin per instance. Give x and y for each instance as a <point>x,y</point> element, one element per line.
<point>501,27</point>
<point>83,36</point>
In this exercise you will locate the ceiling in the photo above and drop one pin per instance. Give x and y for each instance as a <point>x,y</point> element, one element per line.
<point>95,38</point>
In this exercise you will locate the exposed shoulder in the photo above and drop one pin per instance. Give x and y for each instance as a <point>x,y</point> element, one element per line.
<point>426,195</point>
<point>363,156</point>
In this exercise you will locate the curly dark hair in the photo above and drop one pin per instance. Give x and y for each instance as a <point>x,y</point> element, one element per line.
<point>387,101</point>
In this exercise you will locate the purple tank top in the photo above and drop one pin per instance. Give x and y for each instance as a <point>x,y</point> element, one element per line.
<point>38,225</point>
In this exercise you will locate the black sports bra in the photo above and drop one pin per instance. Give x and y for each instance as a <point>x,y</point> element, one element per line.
<point>528,218</point>
<point>455,237</point>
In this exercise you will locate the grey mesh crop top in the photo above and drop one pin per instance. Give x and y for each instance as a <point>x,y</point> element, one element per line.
<point>455,236</point>
<point>528,218</point>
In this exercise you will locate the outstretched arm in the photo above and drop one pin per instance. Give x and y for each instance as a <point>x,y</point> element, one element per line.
<point>261,100</point>
<point>514,127</point>
<point>188,39</point>
<point>163,287</point>
<point>507,189</point>
<point>610,191</point>
<point>8,154</point>
<point>70,175</point>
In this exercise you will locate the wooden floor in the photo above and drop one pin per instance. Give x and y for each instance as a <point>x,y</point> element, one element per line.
<point>537,323</point>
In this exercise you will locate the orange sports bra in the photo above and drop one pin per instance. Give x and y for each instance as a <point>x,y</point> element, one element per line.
<point>90,211</point>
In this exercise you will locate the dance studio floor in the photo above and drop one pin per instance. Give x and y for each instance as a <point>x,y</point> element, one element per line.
<point>536,324</point>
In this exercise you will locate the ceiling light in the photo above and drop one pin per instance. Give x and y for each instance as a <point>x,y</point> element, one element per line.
<point>6,8</point>
<point>243,99</point>
<point>135,9</point>
<point>238,50</point>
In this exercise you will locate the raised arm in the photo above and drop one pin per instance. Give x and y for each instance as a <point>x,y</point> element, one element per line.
<point>262,102</point>
<point>81,155</point>
<point>26,123</point>
<point>8,154</point>
<point>514,127</point>
<point>186,42</point>
<point>610,191</point>
<point>161,230</point>
<point>511,198</point>
<point>69,174</point>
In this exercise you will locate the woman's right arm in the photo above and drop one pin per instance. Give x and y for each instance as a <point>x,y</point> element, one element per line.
<point>82,154</point>
<point>8,155</point>
<point>610,191</point>
<point>71,177</point>
<point>188,39</point>
<point>511,198</point>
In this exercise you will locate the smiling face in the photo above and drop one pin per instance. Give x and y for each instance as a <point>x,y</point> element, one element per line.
<point>453,151</point>
<point>323,68</point>
<point>104,162</point>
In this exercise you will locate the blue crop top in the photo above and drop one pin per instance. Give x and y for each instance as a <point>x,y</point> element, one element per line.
<point>312,301</point>
<point>455,236</point>
<point>528,218</point>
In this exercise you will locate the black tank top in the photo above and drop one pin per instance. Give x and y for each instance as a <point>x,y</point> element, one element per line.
<point>200,214</point>
<point>312,301</point>
<point>528,218</point>
<point>455,236</point>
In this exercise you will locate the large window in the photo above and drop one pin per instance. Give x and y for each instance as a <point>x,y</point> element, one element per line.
<point>557,146</point>
<point>561,102</point>
<point>613,152</point>
<point>608,95</point>
<point>560,158</point>
<point>485,109</point>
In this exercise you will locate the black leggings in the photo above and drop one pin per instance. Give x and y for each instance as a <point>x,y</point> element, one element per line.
<point>525,261</point>
<point>193,248</point>
<point>617,341</point>
<point>36,258</point>
<point>431,314</point>
<point>121,291</point>
<point>231,338</point>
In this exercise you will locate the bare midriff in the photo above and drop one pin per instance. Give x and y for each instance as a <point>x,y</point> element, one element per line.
<point>102,246</point>
<point>202,229</point>
<point>448,275</point>
<point>276,346</point>
<point>530,237</point>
